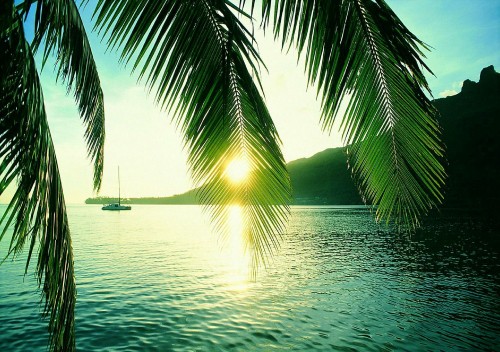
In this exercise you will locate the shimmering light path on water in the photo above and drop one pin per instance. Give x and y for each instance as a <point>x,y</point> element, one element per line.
<point>156,278</point>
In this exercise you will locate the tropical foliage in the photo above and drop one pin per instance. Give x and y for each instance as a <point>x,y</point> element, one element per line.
<point>199,57</point>
<point>361,51</point>
<point>37,212</point>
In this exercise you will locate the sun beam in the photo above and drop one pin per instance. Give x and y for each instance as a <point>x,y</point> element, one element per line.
<point>237,170</point>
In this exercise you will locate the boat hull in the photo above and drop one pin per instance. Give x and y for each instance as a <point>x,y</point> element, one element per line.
<point>116,207</point>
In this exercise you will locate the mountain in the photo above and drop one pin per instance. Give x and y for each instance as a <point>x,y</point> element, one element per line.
<point>470,121</point>
<point>323,179</point>
<point>471,124</point>
<point>471,127</point>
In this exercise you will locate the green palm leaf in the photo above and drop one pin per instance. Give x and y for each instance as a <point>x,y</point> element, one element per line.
<point>59,27</point>
<point>359,49</point>
<point>197,56</point>
<point>37,210</point>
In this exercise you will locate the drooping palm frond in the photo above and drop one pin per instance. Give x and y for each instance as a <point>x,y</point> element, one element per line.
<point>197,55</point>
<point>360,50</point>
<point>60,31</point>
<point>37,211</point>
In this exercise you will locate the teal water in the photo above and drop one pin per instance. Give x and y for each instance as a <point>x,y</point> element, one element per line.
<point>157,279</point>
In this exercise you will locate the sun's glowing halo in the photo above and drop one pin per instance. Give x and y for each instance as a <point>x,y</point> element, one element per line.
<point>237,170</point>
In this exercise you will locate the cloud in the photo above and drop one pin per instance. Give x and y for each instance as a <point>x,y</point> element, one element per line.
<point>456,87</point>
<point>448,93</point>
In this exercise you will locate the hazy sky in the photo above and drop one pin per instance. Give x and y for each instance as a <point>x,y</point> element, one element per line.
<point>465,36</point>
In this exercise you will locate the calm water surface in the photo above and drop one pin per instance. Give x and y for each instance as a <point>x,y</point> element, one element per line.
<point>157,279</point>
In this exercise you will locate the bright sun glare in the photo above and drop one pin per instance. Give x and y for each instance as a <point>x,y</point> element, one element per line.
<point>237,170</point>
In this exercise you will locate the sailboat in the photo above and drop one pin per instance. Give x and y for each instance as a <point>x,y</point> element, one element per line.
<point>117,206</point>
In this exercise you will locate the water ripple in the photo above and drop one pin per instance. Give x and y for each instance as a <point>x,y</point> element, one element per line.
<point>156,279</point>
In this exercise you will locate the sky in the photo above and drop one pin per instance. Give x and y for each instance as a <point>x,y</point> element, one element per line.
<point>140,138</point>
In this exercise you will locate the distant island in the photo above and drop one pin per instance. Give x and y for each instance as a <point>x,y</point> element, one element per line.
<point>185,198</point>
<point>470,122</point>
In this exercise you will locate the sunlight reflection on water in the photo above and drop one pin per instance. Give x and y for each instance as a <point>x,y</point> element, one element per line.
<point>238,258</point>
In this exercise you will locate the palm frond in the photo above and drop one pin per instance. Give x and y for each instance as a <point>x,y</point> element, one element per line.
<point>360,50</point>
<point>200,59</point>
<point>37,211</point>
<point>59,29</point>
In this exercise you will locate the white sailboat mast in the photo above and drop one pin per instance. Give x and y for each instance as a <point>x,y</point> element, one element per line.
<point>119,190</point>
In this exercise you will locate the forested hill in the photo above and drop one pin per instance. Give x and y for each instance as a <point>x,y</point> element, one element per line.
<point>470,122</point>
<point>323,179</point>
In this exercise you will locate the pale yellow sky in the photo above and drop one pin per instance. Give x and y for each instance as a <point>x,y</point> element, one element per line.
<point>145,144</point>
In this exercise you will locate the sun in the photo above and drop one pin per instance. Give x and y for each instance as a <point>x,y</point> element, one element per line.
<point>237,170</point>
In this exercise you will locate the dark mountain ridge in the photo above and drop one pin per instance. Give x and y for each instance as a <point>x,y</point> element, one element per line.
<point>470,122</point>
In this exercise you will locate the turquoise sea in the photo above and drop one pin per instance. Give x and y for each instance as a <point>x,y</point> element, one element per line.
<point>157,279</point>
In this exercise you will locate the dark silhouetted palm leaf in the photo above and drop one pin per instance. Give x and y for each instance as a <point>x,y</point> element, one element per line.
<point>360,50</point>
<point>37,212</point>
<point>357,49</point>
<point>197,55</point>
<point>59,28</point>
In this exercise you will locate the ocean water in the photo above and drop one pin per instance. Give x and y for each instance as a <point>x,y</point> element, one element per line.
<point>157,279</point>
